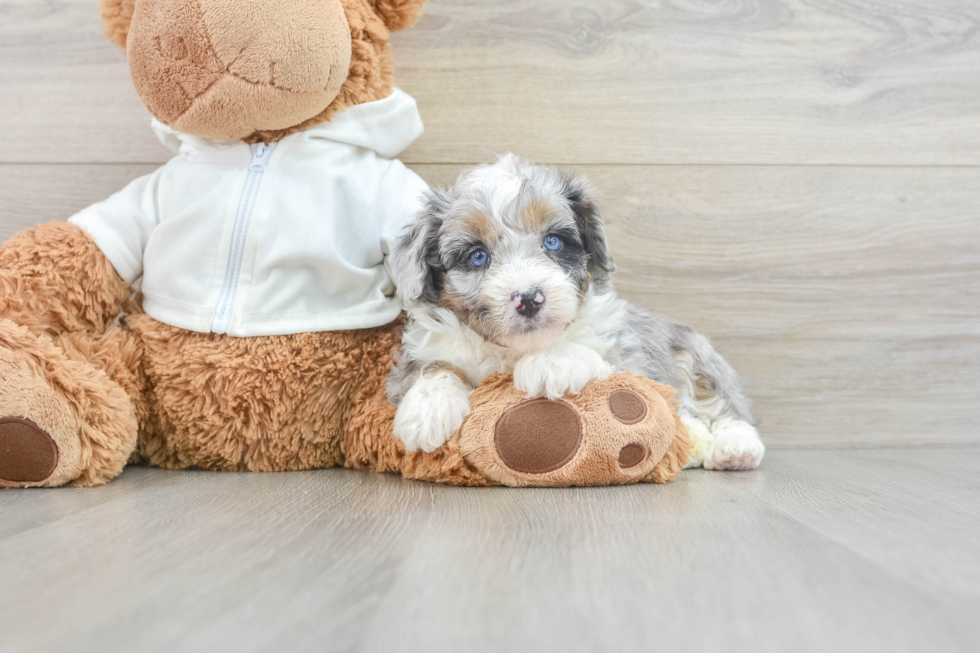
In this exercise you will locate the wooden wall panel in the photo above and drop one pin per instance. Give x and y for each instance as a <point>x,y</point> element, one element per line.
<point>616,81</point>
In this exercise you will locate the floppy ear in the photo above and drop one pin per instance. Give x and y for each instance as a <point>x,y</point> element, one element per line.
<point>578,193</point>
<point>116,17</point>
<point>398,14</point>
<point>415,261</point>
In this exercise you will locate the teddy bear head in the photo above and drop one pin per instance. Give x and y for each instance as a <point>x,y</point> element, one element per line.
<point>256,70</point>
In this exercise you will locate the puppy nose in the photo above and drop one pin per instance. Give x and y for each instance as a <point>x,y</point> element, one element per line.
<point>528,304</point>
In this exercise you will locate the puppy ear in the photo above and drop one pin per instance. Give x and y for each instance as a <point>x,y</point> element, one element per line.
<point>415,260</point>
<point>116,17</point>
<point>398,14</point>
<point>578,193</point>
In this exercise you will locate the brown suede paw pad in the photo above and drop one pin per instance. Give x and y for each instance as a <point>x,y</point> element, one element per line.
<point>616,431</point>
<point>27,453</point>
<point>538,436</point>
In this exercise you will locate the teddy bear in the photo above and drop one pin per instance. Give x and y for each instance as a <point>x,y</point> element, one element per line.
<point>234,311</point>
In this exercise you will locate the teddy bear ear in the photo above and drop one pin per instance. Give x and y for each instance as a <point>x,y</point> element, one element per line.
<point>116,17</point>
<point>398,14</point>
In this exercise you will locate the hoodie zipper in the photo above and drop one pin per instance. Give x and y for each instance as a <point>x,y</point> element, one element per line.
<point>261,153</point>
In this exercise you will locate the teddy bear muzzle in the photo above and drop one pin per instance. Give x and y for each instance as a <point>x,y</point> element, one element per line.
<point>616,431</point>
<point>229,68</point>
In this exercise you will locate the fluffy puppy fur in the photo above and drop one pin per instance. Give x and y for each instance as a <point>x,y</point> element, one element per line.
<point>509,271</point>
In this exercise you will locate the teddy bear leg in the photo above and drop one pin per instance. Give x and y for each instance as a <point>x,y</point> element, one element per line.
<point>619,430</point>
<point>62,419</point>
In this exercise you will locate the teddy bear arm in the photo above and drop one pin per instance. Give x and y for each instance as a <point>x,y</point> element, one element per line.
<point>55,279</point>
<point>116,17</point>
<point>399,14</point>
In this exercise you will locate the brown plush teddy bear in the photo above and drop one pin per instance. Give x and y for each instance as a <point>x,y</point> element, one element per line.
<point>265,322</point>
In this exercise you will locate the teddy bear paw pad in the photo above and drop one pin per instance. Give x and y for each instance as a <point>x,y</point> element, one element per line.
<point>615,431</point>
<point>627,406</point>
<point>632,455</point>
<point>27,453</point>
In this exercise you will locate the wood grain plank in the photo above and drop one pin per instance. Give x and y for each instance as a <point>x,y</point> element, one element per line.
<point>321,550</point>
<point>596,81</point>
<point>354,561</point>
<point>926,503</point>
<point>564,571</point>
<point>32,194</point>
<point>43,508</point>
<point>848,298</point>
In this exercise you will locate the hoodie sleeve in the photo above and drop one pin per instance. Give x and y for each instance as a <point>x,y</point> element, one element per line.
<point>401,198</point>
<point>121,225</point>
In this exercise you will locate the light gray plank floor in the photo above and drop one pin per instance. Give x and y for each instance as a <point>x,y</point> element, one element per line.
<point>825,550</point>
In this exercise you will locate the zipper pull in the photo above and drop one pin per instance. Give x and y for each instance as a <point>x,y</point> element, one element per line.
<point>260,157</point>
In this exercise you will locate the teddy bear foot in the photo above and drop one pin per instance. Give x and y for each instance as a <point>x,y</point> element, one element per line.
<point>39,430</point>
<point>61,420</point>
<point>616,431</point>
<point>27,453</point>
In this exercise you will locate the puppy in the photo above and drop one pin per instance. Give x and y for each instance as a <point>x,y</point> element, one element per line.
<point>509,271</point>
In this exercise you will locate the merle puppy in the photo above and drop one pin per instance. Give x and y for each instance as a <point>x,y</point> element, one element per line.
<point>509,271</point>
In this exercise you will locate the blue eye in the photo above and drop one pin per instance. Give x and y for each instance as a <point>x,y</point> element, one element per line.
<point>552,243</point>
<point>479,258</point>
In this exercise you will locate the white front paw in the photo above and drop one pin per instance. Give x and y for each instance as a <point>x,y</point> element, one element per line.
<point>736,446</point>
<point>431,411</point>
<point>556,372</point>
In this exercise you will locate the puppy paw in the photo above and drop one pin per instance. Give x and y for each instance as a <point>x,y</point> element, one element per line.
<point>431,411</point>
<point>557,372</point>
<point>701,438</point>
<point>736,446</point>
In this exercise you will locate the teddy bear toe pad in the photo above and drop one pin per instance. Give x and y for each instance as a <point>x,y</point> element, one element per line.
<point>27,453</point>
<point>632,455</point>
<point>627,406</point>
<point>614,432</point>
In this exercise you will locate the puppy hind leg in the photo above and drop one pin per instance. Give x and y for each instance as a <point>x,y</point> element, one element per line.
<point>716,410</point>
<point>701,437</point>
<point>725,443</point>
<point>736,445</point>
<point>695,414</point>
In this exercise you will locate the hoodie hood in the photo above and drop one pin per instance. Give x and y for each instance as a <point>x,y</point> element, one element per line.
<point>385,126</point>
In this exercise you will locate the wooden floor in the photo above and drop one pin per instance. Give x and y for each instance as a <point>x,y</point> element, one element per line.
<point>860,550</point>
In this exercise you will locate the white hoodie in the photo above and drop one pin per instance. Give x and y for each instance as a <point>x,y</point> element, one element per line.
<point>259,240</point>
